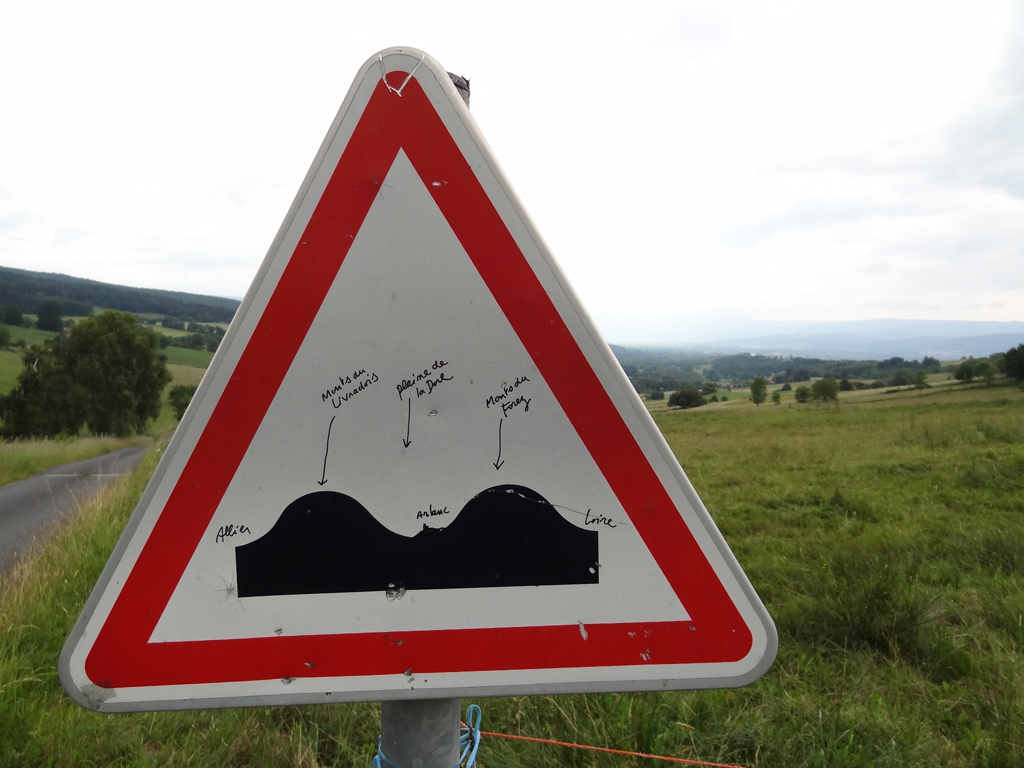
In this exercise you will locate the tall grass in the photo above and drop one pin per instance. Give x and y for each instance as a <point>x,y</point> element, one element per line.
<point>39,602</point>
<point>23,458</point>
<point>887,543</point>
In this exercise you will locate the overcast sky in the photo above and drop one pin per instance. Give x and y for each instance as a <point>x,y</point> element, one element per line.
<point>783,160</point>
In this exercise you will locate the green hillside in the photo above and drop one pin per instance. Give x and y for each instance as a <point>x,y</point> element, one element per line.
<point>24,289</point>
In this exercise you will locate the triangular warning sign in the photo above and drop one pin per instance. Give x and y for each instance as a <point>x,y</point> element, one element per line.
<point>413,468</point>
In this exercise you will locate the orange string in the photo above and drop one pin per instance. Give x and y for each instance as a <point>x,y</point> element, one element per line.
<point>610,751</point>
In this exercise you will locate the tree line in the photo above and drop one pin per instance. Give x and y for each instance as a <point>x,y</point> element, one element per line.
<point>202,337</point>
<point>827,389</point>
<point>670,370</point>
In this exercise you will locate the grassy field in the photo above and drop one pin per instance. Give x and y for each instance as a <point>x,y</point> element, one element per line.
<point>29,335</point>
<point>193,358</point>
<point>884,535</point>
<point>10,368</point>
<point>185,374</point>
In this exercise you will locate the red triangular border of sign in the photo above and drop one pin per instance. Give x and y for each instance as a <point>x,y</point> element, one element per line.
<point>123,657</point>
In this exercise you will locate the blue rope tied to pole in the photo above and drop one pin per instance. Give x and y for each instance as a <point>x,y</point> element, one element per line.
<point>469,742</point>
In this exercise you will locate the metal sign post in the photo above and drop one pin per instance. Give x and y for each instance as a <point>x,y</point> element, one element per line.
<point>424,733</point>
<point>420,734</point>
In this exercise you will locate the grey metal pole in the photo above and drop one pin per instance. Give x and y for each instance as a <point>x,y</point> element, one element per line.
<point>423,733</point>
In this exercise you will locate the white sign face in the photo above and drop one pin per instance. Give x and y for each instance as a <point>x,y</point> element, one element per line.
<point>413,469</point>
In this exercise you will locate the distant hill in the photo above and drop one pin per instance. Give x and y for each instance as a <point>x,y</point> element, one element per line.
<point>24,289</point>
<point>836,340</point>
<point>855,347</point>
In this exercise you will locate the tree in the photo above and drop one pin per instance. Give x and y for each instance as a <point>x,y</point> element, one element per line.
<point>845,385</point>
<point>48,400</point>
<point>49,315</point>
<point>655,394</point>
<point>965,371</point>
<point>687,397</point>
<point>13,316</point>
<point>776,397</point>
<point>181,395</point>
<point>787,387</point>
<point>802,394</point>
<point>759,390</point>
<point>983,369</point>
<point>709,388</point>
<point>825,390</point>
<point>107,373</point>
<point>901,378</point>
<point>921,379</point>
<point>1013,363</point>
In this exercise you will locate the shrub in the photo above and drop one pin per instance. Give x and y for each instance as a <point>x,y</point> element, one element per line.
<point>687,397</point>
<point>13,316</point>
<point>965,371</point>
<point>759,390</point>
<point>802,394</point>
<point>901,378</point>
<point>179,397</point>
<point>825,390</point>
<point>1012,363</point>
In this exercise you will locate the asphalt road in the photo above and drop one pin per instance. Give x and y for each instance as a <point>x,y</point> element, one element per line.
<point>27,507</point>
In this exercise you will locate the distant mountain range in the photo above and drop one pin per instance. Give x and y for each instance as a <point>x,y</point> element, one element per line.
<point>837,340</point>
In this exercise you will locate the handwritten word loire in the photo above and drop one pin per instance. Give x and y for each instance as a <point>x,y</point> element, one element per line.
<point>431,512</point>
<point>349,386</point>
<point>589,519</point>
<point>431,378</point>
<point>225,532</point>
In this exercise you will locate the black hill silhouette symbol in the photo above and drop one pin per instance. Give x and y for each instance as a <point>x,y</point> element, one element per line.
<point>506,536</point>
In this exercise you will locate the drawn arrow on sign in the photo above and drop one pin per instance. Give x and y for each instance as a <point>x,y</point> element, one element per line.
<point>408,422</point>
<point>499,462</point>
<point>327,448</point>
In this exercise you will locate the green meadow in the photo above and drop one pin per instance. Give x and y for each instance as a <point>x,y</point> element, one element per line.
<point>29,335</point>
<point>884,534</point>
<point>194,358</point>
